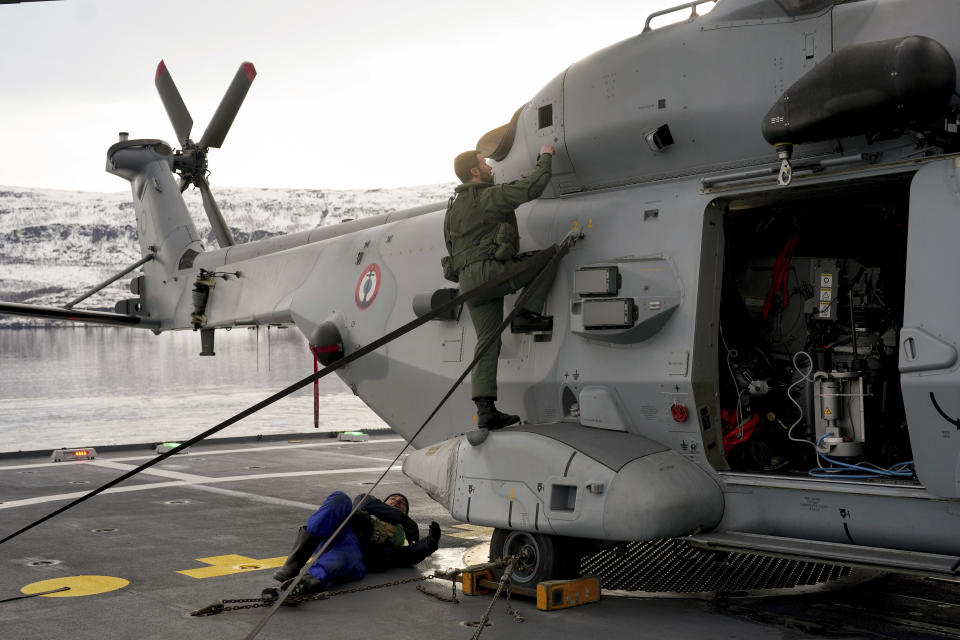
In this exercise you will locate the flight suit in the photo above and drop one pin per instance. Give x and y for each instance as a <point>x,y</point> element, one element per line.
<point>480,230</point>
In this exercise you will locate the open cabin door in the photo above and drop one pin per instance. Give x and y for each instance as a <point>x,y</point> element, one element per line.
<point>929,367</point>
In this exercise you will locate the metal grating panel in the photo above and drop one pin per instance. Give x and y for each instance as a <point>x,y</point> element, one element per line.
<point>673,566</point>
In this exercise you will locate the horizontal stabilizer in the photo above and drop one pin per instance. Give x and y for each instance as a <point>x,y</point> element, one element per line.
<point>75,315</point>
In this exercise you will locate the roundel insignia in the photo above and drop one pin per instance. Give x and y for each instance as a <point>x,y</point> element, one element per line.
<point>368,286</point>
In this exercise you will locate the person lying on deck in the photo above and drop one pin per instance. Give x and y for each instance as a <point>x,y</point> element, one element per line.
<point>379,536</point>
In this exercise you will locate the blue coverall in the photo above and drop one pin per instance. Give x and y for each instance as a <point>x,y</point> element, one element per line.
<point>343,559</point>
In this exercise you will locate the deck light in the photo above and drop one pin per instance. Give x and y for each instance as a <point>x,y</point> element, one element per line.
<point>86,453</point>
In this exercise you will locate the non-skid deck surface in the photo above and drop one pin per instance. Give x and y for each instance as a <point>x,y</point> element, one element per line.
<point>213,523</point>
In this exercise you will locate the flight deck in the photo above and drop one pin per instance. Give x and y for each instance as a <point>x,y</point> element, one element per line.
<point>214,522</point>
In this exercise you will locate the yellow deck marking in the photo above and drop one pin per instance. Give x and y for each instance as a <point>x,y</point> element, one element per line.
<point>79,586</point>
<point>472,532</point>
<point>230,564</point>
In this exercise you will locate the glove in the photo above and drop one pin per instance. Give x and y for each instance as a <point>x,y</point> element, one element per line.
<point>434,536</point>
<point>362,524</point>
<point>410,529</point>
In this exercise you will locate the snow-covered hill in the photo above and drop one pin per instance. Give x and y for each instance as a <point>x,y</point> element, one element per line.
<point>56,244</point>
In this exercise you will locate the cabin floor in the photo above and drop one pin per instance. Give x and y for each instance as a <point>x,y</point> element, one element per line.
<point>213,523</point>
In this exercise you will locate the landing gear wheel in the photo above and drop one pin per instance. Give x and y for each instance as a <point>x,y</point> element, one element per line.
<point>541,556</point>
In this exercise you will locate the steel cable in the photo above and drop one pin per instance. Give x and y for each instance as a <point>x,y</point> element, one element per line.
<point>560,251</point>
<point>359,353</point>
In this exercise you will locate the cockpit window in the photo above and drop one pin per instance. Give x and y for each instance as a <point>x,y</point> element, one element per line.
<point>800,7</point>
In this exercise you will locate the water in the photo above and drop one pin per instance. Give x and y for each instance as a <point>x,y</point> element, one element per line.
<point>83,386</point>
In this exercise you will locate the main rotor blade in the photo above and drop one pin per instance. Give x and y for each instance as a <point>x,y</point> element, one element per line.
<point>173,103</point>
<point>229,105</point>
<point>220,229</point>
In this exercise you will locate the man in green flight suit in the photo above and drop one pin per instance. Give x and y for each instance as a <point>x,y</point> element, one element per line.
<point>480,230</point>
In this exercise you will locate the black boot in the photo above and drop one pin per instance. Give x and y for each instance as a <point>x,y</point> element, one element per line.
<point>489,418</point>
<point>307,586</point>
<point>305,545</point>
<point>530,322</point>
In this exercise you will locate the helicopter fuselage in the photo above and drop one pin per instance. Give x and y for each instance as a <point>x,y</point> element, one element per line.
<point>717,335</point>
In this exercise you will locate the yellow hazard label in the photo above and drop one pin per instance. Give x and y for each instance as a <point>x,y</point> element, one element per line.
<point>230,564</point>
<point>78,586</point>
<point>827,412</point>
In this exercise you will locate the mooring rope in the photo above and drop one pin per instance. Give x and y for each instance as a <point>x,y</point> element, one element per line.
<point>554,258</point>
<point>542,262</point>
<point>440,311</point>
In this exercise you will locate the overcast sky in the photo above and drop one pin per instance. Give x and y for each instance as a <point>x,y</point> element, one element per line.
<point>353,94</point>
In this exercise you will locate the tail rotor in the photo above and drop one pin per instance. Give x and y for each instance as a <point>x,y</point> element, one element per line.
<point>191,161</point>
<point>229,106</point>
<point>173,103</point>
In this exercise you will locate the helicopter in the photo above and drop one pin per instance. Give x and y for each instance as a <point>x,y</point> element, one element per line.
<point>754,343</point>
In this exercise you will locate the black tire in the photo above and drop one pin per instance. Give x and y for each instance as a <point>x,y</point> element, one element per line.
<point>544,557</point>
